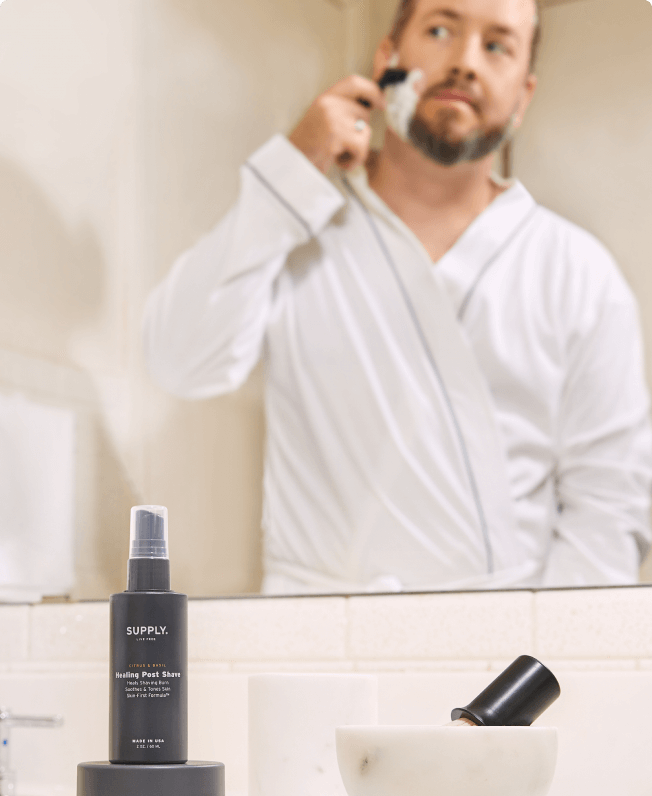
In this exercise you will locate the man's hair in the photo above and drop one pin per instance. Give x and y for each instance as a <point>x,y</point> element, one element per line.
<point>406,7</point>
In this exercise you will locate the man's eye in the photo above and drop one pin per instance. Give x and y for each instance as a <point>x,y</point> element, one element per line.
<point>439,32</point>
<point>496,47</point>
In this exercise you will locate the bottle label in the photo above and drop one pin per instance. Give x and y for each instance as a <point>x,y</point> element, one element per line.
<point>149,679</point>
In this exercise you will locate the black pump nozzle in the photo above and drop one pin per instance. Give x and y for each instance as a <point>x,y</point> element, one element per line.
<point>149,565</point>
<point>515,698</point>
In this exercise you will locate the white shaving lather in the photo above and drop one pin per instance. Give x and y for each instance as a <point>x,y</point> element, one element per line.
<point>402,99</point>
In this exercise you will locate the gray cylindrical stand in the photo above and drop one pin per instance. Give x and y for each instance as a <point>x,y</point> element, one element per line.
<point>116,779</point>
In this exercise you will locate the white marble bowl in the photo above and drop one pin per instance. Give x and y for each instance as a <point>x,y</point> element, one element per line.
<point>446,761</point>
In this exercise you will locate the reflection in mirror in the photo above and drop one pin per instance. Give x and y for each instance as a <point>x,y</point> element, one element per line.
<point>124,128</point>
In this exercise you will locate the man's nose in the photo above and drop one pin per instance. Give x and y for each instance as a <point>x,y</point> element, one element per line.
<point>468,74</point>
<point>465,60</point>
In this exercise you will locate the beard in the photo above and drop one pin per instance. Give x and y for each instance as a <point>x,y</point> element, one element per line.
<point>436,143</point>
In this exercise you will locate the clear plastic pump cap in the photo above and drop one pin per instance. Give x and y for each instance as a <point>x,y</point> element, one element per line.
<point>149,532</point>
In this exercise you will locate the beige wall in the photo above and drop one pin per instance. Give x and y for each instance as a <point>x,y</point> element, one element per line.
<point>122,130</point>
<point>67,247</point>
<point>584,149</point>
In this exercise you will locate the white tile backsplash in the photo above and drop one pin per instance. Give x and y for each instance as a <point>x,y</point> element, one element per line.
<point>70,632</point>
<point>268,630</point>
<point>468,626</point>
<point>13,633</point>
<point>594,623</point>
<point>593,665</point>
<point>426,698</point>
<point>421,666</point>
<point>294,667</point>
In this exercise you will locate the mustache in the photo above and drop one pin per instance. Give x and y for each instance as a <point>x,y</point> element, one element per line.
<point>452,84</point>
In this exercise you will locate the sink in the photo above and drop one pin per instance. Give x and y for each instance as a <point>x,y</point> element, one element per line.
<point>446,761</point>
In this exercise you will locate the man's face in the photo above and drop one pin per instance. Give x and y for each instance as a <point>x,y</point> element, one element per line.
<point>475,58</point>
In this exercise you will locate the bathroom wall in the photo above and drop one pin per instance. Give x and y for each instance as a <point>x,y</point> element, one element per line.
<point>431,653</point>
<point>123,127</point>
<point>584,148</point>
<point>67,247</point>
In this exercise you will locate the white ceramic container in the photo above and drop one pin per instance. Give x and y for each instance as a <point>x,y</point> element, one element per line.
<point>292,721</point>
<point>446,761</point>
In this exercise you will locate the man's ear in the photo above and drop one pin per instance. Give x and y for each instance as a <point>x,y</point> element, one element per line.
<point>525,100</point>
<point>384,54</point>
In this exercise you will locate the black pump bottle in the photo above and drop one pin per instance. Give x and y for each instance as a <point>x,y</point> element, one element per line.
<point>148,712</point>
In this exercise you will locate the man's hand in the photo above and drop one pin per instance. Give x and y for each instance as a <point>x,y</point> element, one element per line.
<point>331,131</point>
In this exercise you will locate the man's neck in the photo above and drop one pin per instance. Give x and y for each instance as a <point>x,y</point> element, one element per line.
<point>436,202</point>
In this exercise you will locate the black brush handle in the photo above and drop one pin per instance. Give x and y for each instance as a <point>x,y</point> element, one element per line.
<point>388,78</point>
<point>517,697</point>
<point>392,76</point>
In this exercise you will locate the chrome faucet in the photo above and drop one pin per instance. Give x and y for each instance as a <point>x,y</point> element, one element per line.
<point>7,721</point>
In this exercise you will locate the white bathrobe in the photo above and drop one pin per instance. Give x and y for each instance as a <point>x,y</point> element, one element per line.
<point>477,422</point>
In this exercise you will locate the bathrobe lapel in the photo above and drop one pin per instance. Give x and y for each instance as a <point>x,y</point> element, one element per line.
<point>464,266</point>
<point>435,311</point>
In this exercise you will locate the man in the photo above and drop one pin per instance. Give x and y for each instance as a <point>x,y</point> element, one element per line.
<point>455,394</point>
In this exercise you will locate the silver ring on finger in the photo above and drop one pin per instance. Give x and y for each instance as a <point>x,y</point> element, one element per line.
<point>360,125</point>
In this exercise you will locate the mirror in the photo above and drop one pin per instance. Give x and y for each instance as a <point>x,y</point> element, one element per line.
<point>122,129</point>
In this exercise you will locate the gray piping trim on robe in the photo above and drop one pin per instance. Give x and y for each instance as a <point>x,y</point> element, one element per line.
<point>278,196</point>
<point>470,292</point>
<point>451,409</point>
